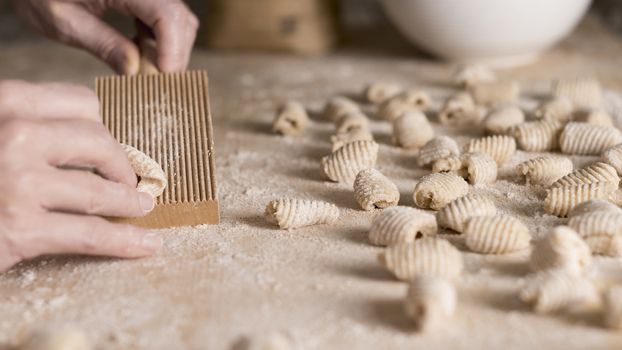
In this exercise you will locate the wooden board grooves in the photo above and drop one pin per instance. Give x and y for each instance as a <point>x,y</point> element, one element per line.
<point>167,116</point>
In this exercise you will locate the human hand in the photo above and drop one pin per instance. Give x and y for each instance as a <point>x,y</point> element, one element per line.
<point>61,170</point>
<point>78,23</point>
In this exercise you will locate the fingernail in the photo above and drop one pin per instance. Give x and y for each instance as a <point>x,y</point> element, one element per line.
<point>152,242</point>
<point>146,201</point>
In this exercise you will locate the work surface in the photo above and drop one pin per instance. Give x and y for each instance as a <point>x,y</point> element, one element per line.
<point>212,286</point>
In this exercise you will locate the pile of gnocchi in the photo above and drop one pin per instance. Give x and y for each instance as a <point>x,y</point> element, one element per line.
<point>569,122</point>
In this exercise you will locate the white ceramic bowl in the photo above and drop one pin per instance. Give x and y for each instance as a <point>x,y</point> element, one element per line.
<point>496,32</point>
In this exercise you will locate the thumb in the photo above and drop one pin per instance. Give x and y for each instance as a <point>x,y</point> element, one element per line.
<point>87,31</point>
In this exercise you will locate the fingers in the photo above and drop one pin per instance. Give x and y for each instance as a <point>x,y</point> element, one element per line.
<point>47,101</point>
<point>73,143</point>
<point>174,25</point>
<point>86,30</point>
<point>83,192</point>
<point>56,233</point>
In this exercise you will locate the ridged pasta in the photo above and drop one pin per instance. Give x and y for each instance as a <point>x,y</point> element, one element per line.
<point>455,214</point>
<point>544,170</point>
<point>451,164</point>
<point>584,93</point>
<point>605,245</point>
<point>470,75</point>
<point>429,256</point>
<point>613,157</point>
<point>437,148</point>
<point>538,136</point>
<point>379,92</point>
<point>562,249</point>
<point>496,234</point>
<point>340,139</point>
<point>500,148</point>
<point>551,291</point>
<point>352,121</point>
<point>597,223</point>
<point>430,302</point>
<point>587,139</point>
<point>407,101</point>
<point>459,110</point>
<point>434,191</point>
<point>346,162</point>
<point>558,109</point>
<point>495,93</point>
<point>412,130</point>
<point>501,120</point>
<point>337,107</point>
<point>560,200</point>
<point>613,307</point>
<point>401,225</point>
<point>479,168</point>
<point>598,172</point>
<point>372,190</point>
<point>152,179</point>
<point>594,117</point>
<point>595,205</point>
<point>291,119</point>
<point>289,213</point>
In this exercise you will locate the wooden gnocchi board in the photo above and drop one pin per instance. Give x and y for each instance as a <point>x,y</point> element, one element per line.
<point>167,116</point>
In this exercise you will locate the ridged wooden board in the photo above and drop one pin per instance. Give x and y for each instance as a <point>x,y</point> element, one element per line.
<point>167,116</point>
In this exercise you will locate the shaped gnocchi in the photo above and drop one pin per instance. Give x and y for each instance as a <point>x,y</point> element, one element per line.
<point>496,234</point>
<point>434,191</point>
<point>455,214</point>
<point>290,213</point>
<point>401,225</point>
<point>291,119</point>
<point>346,162</point>
<point>430,302</point>
<point>372,190</point>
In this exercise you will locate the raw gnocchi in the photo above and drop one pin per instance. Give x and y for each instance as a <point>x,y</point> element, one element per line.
<point>152,179</point>
<point>501,120</point>
<point>544,170</point>
<point>339,106</point>
<point>372,190</point>
<point>600,229</point>
<point>437,148</point>
<point>494,93</point>
<point>598,172</point>
<point>594,117</point>
<point>407,101</point>
<point>558,109</point>
<point>291,119</point>
<point>379,92</point>
<point>455,214</point>
<point>500,148</point>
<point>434,191</point>
<point>352,121</point>
<point>613,157</point>
<point>340,139</point>
<point>592,206</point>
<point>584,93</point>
<point>412,130</point>
<point>562,249</point>
<point>470,75</point>
<point>458,110</point>
<point>430,302</point>
<point>587,139</point>
<point>496,234</point>
<point>346,162</point>
<point>429,256</point>
<point>479,168</point>
<point>538,136</point>
<point>560,200</point>
<point>401,225</point>
<point>550,291</point>
<point>290,213</point>
<point>451,164</point>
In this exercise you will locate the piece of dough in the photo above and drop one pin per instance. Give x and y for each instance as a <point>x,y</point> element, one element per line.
<point>152,179</point>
